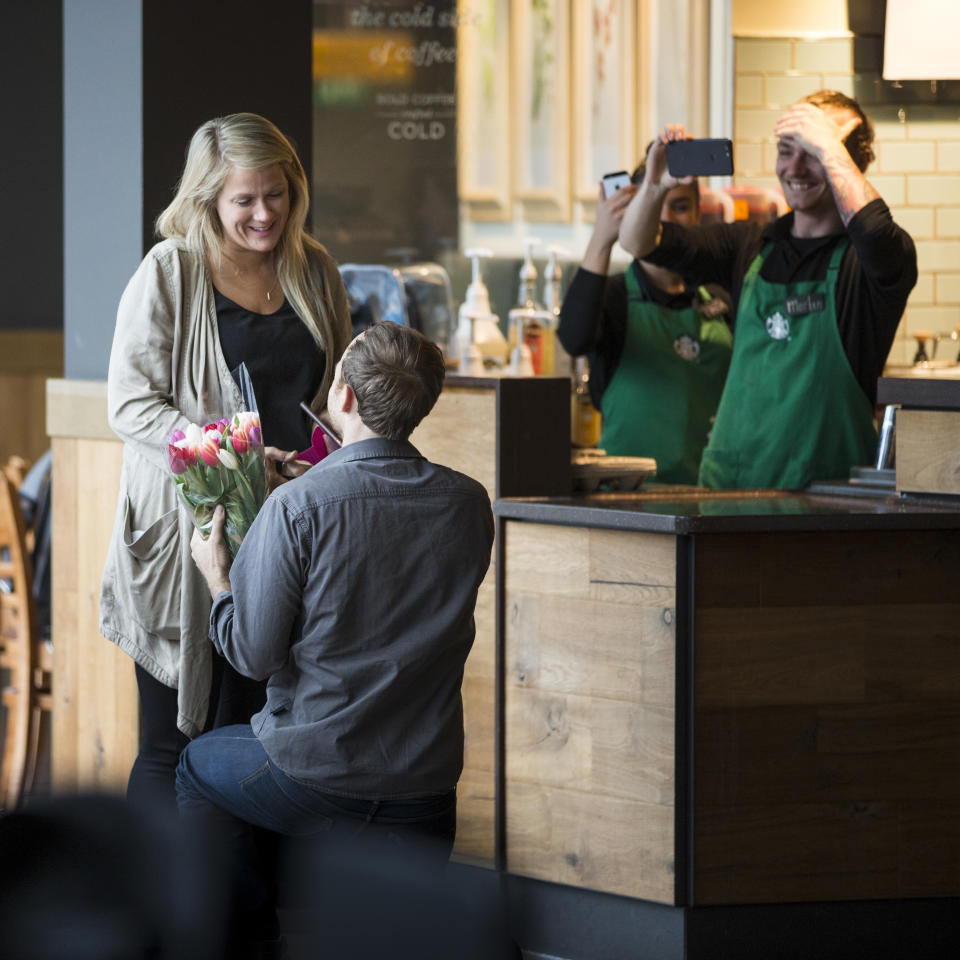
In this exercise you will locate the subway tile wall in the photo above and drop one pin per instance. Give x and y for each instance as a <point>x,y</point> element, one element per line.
<point>917,170</point>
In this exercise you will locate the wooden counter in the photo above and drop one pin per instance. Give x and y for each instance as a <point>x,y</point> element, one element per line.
<point>927,433</point>
<point>27,358</point>
<point>720,700</point>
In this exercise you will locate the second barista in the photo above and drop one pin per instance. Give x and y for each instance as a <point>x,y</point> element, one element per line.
<point>658,347</point>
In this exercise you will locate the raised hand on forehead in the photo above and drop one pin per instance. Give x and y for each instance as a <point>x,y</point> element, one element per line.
<point>815,130</point>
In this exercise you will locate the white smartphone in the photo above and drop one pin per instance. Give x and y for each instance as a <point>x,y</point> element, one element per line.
<point>612,182</point>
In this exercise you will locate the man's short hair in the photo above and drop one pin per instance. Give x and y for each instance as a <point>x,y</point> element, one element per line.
<point>396,374</point>
<point>859,143</point>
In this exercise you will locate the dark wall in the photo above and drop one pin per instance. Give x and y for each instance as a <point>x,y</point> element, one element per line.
<point>203,60</point>
<point>138,79</point>
<point>31,163</point>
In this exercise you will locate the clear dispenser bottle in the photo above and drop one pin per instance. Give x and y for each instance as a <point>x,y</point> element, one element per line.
<point>478,328</point>
<point>528,320</point>
<point>556,360</point>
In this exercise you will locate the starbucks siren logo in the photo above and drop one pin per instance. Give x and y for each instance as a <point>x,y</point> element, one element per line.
<point>688,348</point>
<point>778,326</point>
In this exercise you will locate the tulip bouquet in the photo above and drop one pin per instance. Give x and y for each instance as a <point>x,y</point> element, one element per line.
<point>222,462</point>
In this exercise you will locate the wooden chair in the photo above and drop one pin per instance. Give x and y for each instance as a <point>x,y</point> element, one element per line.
<point>16,468</point>
<point>26,695</point>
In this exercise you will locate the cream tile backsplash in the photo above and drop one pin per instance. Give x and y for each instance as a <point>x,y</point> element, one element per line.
<point>917,170</point>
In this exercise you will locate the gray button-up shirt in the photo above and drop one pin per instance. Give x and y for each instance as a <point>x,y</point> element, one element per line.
<point>354,592</point>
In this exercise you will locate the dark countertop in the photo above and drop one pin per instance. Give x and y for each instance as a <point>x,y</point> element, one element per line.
<point>692,510</point>
<point>920,392</point>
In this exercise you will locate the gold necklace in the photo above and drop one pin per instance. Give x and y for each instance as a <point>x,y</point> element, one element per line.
<point>238,272</point>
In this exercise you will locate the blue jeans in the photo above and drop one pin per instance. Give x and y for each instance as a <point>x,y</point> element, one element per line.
<point>227,785</point>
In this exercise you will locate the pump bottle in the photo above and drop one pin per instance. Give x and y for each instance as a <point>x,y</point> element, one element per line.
<point>556,361</point>
<point>527,320</point>
<point>478,329</point>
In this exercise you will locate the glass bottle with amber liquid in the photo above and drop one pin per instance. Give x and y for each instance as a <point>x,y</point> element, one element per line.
<point>585,419</point>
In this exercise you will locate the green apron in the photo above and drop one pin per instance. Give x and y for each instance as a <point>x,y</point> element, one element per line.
<point>666,386</point>
<point>792,411</point>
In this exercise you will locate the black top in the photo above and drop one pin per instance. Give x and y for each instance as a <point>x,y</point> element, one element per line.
<point>593,319</point>
<point>285,366</point>
<point>877,273</point>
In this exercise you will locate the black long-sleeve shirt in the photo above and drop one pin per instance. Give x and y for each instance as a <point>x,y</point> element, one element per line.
<point>877,273</point>
<point>593,319</point>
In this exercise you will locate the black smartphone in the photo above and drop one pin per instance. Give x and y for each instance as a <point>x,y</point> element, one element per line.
<point>700,158</point>
<point>612,182</point>
<point>336,442</point>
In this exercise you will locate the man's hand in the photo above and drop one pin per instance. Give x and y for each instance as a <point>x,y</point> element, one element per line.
<point>212,556</point>
<point>814,130</point>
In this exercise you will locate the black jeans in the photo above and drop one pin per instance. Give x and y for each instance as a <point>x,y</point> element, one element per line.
<point>233,699</point>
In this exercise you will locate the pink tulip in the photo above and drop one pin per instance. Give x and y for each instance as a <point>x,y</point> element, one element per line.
<point>247,424</point>
<point>239,440</point>
<point>209,449</point>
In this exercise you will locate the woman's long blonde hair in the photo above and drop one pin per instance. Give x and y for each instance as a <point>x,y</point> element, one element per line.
<point>252,142</point>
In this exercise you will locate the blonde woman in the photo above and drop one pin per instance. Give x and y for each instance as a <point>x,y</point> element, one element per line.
<point>237,279</point>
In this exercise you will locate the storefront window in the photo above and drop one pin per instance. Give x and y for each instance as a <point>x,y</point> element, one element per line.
<point>384,132</point>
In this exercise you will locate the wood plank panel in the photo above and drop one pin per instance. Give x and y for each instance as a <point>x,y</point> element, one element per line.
<point>550,649</point>
<point>793,851</point>
<point>606,565</point>
<point>603,747</point>
<point>928,451</point>
<point>848,753</point>
<point>825,568</point>
<point>22,399</point>
<point>590,708</point>
<point>460,433</point>
<point>27,359</point>
<point>769,655</point>
<point>64,747</point>
<point>929,848</point>
<point>96,708</point>
<point>575,837</point>
<point>826,671</point>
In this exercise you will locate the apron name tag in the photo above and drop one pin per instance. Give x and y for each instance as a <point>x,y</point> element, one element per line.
<point>808,303</point>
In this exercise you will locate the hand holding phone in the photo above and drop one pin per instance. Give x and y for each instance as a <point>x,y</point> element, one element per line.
<point>612,182</point>
<point>700,158</point>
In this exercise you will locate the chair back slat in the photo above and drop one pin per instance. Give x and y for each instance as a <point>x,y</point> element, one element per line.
<point>18,642</point>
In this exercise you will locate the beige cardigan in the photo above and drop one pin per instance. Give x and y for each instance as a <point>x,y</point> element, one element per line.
<point>166,370</point>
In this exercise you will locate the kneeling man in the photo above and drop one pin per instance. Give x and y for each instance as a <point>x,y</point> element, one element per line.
<point>354,594</point>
